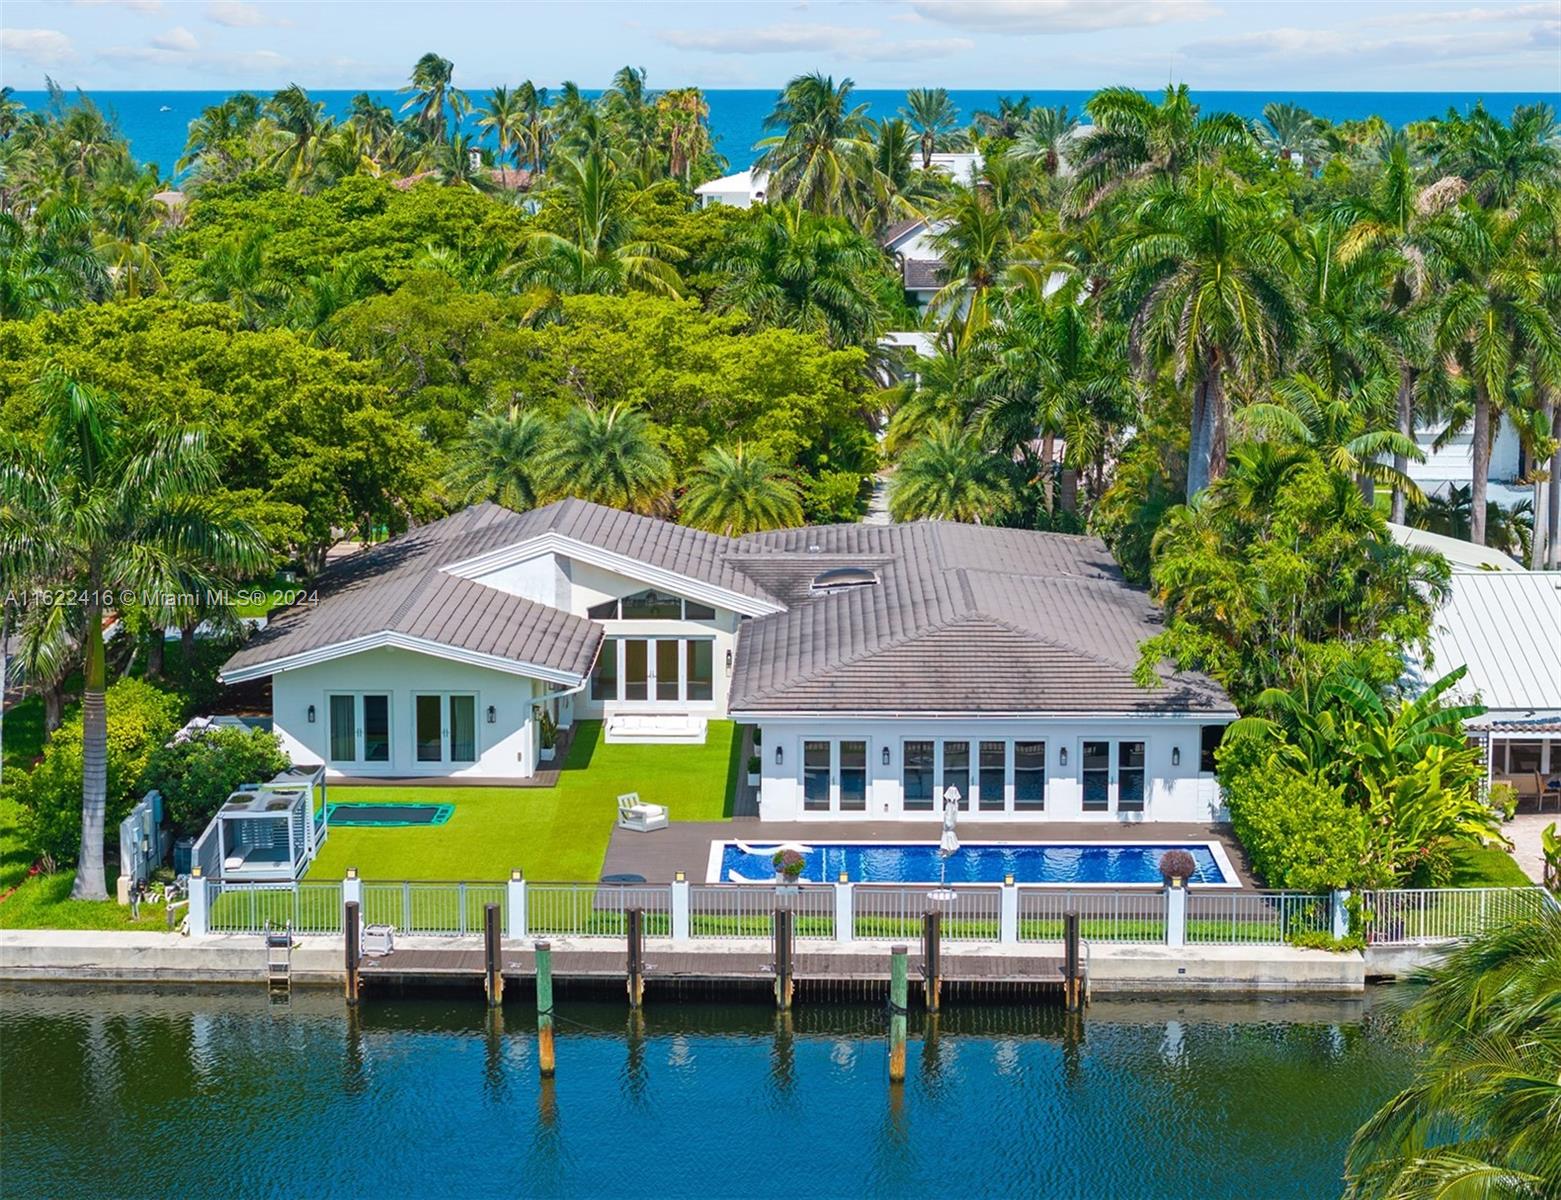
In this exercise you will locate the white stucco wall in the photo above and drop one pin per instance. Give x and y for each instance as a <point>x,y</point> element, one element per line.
<point>1172,792</point>
<point>505,750</point>
<point>1454,462</point>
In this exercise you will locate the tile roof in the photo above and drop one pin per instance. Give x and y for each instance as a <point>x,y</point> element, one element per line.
<point>922,274</point>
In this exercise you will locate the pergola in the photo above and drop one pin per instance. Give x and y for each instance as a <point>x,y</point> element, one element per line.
<point>267,831</point>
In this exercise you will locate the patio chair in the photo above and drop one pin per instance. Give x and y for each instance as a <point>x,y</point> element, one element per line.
<point>1546,789</point>
<point>634,813</point>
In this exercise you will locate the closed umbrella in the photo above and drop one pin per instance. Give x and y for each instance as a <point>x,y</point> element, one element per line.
<point>948,844</point>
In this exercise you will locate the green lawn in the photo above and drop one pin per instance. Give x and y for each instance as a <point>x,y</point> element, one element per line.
<point>1486,866</point>
<point>24,734</point>
<point>557,833</point>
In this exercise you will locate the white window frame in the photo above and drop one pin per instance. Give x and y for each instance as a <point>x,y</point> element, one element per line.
<point>444,761</point>
<point>617,643</point>
<point>833,807</point>
<point>358,735</point>
<point>1113,779</point>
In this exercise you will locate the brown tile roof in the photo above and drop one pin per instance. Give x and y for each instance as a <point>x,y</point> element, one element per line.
<point>922,274</point>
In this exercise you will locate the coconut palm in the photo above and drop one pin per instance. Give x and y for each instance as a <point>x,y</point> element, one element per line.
<point>301,129</point>
<point>50,263</point>
<point>1046,138</point>
<point>821,157</point>
<point>498,459</point>
<point>1498,160</point>
<point>1290,133</point>
<point>949,476</point>
<point>219,140</point>
<point>734,492</point>
<point>432,94</point>
<point>98,511</point>
<point>683,116</point>
<point>535,135</point>
<point>502,114</point>
<point>1006,120</point>
<point>11,110</point>
<point>934,117</point>
<point>609,455</point>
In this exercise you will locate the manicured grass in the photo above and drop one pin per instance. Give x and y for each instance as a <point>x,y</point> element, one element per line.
<point>24,734</point>
<point>1486,866</point>
<point>557,833</point>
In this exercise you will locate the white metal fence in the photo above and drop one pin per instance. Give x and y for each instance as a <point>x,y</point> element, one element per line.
<point>735,910</point>
<point>970,913</point>
<point>430,909</point>
<point>1256,918</point>
<point>1407,915</point>
<point>306,908</point>
<point>596,909</point>
<point>1104,916</point>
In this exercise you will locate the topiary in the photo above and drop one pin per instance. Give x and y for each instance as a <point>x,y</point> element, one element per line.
<point>788,863</point>
<point>1177,864</point>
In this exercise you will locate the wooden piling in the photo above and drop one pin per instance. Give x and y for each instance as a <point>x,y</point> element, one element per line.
<point>932,959</point>
<point>636,965</point>
<point>493,956</point>
<point>352,928</point>
<point>544,955</point>
<point>783,959</point>
<point>1072,989</point>
<point>899,995</point>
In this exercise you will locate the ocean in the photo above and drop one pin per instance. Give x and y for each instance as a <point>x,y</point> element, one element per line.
<point>155,122</point>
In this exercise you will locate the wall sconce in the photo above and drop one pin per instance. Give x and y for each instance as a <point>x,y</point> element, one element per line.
<point>778,756</point>
<point>352,872</point>
<point>311,714</point>
<point>886,756</point>
<point>493,714</point>
<point>1176,756</point>
<point>1062,756</point>
<point>728,660</point>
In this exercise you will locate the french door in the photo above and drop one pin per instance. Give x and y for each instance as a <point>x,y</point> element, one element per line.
<point>445,728</point>
<point>359,728</point>
<point>1112,775</point>
<point>834,776</point>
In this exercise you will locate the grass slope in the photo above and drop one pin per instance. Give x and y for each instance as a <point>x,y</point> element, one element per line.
<point>557,833</point>
<point>1486,866</point>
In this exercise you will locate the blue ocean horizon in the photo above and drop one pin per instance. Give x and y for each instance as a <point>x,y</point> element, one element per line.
<point>156,122</point>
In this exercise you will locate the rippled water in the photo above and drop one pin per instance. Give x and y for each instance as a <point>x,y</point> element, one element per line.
<point>138,1094</point>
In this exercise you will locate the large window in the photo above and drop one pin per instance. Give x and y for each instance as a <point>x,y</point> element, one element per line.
<point>445,728</point>
<point>701,668</point>
<point>1130,777</point>
<point>956,773</point>
<point>815,776</point>
<point>359,727</point>
<point>1096,769</point>
<point>651,605</point>
<point>917,776</point>
<point>994,775</point>
<point>1029,776</point>
<point>666,670</point>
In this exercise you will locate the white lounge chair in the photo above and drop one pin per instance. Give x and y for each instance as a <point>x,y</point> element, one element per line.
<point>634,813</point>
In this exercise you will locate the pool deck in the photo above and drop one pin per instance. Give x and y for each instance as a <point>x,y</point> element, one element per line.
<point>685,845</point>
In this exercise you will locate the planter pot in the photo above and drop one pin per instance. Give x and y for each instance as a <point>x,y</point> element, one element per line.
<point>754,780</point>
<point>545,754</point>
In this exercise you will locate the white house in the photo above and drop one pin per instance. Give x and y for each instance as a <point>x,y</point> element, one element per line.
<point>1452,464</point>
<point>882,665</point>
<point>744,189</point>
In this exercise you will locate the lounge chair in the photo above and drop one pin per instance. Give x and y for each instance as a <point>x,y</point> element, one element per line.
<point>634,813</point>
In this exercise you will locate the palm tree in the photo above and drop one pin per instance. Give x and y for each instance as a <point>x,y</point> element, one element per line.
<point>1208,271</point>
<point>1483,1114</point>
<point>219,138</point>
<point>935,118</point>
<point>11,110</point>
<point>950,476</point>
<point>786,267</point>
<point>127,217</point>
<point>1498,161</point>
<point>1290,133</point>
<point>1046,138</point>
<point>683,116</point>
<point>1006,120</point>
<point>235,271</point>
<point>498,459</point>
<point>609,455</point>
<point>733,492</point>
<point>821,156</point>
<point>303,128</point>
<point>432,94</point>
<point>535,132</point>
<point>49,263</point>
<point>503,113</point>
<point>100,511</point>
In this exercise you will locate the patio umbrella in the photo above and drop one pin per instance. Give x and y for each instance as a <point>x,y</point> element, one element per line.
<point>948,844</point>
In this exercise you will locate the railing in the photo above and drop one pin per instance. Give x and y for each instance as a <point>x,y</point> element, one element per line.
<point>596,909</point>
<point>1407,915</point>
<point>430,909</point>
<point>308,908</point>
<point>970,913</point>
<point>1255,918</point>
<point>1104,916</point>
<point>736,910</point>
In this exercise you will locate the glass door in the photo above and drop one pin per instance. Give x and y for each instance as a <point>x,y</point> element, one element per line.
<point>359,728</point>
<point>1095,767</point>
<point>344,729</point>
<point>1113,778</point>
<point>445,728</point>
<point>463,729</point>
<point>429,732</point>
<point>815,776</point>
<point>993,779</point>
<point>853,776</point>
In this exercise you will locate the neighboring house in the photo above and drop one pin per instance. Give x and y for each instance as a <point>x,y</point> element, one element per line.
<point>1453,464</point>
<point>744,189</point>
<point>884,664</point>
<point>1460,555</point>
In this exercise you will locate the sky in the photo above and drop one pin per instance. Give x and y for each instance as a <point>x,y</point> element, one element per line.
<point>1322,45</point>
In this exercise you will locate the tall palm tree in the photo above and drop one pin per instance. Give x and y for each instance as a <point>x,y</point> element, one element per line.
<point>733,492</point>
<point>1006,120</point>
<point>218,139</point>
<point>1046,137</point>
<point>949,476</point>
<point>821,157</point>
<point>50,263</point>
<point>498,459</point>
<point>434,96</point>
<point>535,132</point>
<point>1498,160</point>
<point>302,127</point>
<point>127,217</point>
<point>683,115</point>
<point>934,117</point>
<point>609,455</point>
<point>1290,133</point>
<point>503,114</point>
<point>101,510</point>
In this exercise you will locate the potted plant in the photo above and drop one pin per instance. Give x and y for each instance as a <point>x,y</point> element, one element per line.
<point>754,777</point>
<point>547,731</point>
<point>788,865</point>
<point>1177,866</point>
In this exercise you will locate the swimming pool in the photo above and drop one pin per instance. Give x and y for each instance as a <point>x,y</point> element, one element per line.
<point>1096,864</point>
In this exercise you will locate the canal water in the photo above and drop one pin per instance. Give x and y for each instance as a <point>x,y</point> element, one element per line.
<point>137,1093</point>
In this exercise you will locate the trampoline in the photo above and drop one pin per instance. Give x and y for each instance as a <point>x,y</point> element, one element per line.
<point>389,814</point>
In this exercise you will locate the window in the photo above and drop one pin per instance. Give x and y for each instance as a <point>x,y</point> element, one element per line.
<point>1209,744</point>
<point>701,669</point>
<point>359,727</point>
<point>1524,756</point>
<point>815,776</point>
<point>956,773</point>
<point>1096,767</point>
<point>428,718</point>
<point>376,729</point>
<point>444,728</point>
<point>994,775</point>
<point>853,776</point>
<point>604,678</point>
<point>917,776</point>
<point>607,610</point>
<point>1029,776</point>
<point>1130,777</point>
<point>636,669</point>
<point>344,725</point>
<point>695,611</point>
<point>463,729</point>
<point>651,606</point>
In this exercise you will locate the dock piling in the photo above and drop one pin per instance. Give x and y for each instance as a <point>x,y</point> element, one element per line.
<point>899,995</point>
<point>352,927</point>
<point>1071,974</point>
<point>636,965</point>
<point>783,959</point>
<point>493,957</point>
<point>932,959</point>
<point>544,956</point>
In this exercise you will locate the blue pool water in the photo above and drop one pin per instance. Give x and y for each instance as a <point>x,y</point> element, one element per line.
<point>972,863</point>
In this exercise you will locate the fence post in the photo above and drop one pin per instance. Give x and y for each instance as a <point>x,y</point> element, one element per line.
<point>1339,910</point>
<point>515,911</point>
<point>199,921</point>
<point>680,921</point>
<point>351,892</point>
<point>1008,913</point>
<point>845,909</point>
<point>1175,916</point>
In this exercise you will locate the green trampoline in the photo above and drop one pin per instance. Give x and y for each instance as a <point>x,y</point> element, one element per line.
<point>388,814</point>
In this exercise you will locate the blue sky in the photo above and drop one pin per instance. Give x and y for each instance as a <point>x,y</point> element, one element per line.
<point>1339,45</point>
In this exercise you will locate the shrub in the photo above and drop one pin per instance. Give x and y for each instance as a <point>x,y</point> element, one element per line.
<point>197,774</point>
<point>1504,799</point>
<point>1298,833</point>
<point>1313,939</point>
<point>1177,864</point>
<point>140,718</point>
<point>788,863</point>
<point>753,764</point>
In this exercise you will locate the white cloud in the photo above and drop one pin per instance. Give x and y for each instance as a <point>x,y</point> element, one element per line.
<point>237,15</point>
<point>37,47</point>
<point>1350,47</point>
<point>178,38</point>
<point>150,7</point>
<point>868,44</point>
<point>1060,16</point>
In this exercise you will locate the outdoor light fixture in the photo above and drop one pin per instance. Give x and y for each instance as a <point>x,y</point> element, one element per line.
<point>728,660</point>
<point>845,877</point>
<point>1176,756</point>
<point>679,877</point>
<point>311,714</point>
<point>886,756</point>
<point>493,714</point>
<point>777,756</point>
<point>1062,756</point>
<point>515,875</point>
<point>352,872</point>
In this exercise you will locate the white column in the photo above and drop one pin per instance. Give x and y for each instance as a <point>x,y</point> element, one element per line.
<point>352,893</point>
<point>1340,912</point>
<point>845,910</point>
<point>1175,916</point>
<point>515,911</point>
<point>1008,913</point>
<point>199,923</point>
<point>680,906</point>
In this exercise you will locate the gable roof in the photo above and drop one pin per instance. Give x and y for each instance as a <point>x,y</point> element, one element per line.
<point>1505,626</point>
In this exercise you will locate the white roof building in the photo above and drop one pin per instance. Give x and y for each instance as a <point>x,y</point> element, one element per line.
<point>1460,555</point>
